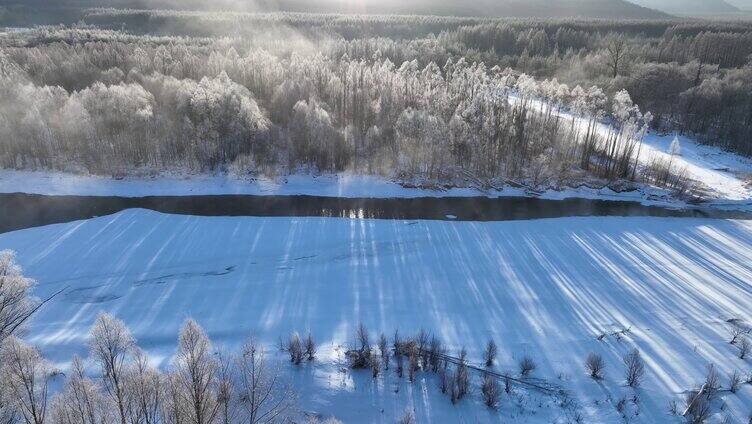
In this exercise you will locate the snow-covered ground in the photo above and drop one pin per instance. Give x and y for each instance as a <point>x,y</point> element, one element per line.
<point>545,288</point>
<point>726,175</point>
<point>336,185</point>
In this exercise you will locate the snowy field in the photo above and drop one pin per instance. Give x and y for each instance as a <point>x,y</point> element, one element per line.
<point>545,288</point>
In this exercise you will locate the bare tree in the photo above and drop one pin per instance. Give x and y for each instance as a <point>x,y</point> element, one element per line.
<point>421,347</point>
<point>143,383</point>
<point>407,418</point>
<point>384,351</point>
<point>81,401</point>
<point>226,399</point>
<point>490,390</point>
<point>634,368</point>
<point>110,343</point>
<point>489,355</point>
<point>436,352</point>
<point>744,348</point>
<point>697,407</point>
<point>462,375</point>
<point>397,344</point>
<point>295,348</point>
<point>263,396</point>
<point>712,381</point>
<point>375,366</point>
<point>362,337</point>
<point>735,379</point>
<point>16,303</point>
<point>595,365</point>
<point>195,370</point>
<point>507,383</point>
<point>736,333</point>
<point>174,404</point>
<point>412,366</point>
<point>26,375</point>
<point>526,365</point>
<point>618,50</point>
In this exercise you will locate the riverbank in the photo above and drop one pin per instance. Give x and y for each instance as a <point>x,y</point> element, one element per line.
<point>328,185</point>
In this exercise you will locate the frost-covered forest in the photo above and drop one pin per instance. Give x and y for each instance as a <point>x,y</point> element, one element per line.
<point>429,98</point>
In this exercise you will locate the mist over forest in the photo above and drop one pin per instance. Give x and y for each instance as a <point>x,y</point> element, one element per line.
<point>436,99</point>
<point>569,178</point>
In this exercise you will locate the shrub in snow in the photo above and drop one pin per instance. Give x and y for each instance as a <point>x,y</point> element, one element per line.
<point>673,409</point>
<point>697,407</point>
<point>595,365</point>
<point>315,420</point>
<point>489,355</point>
<point>362,337</point>
<point>397,343</point>
<point>634,368</point>
<point>310,348</point>
<point>675,148</point>
<point>462,376</point>
<point>400,365</point>
<point>421,348</point>
<point>375,366</point>
<point>360,356</point>
<point>407,418</point>
<point>436,351</point>
<point>736,333</point>
<point>712,381</point>
<point>384,350</point>
<point>295,348</point>
<point>744,348</point>
<point>526,365</point>
<point>490,390</point>
<point>621,405</point>
<point>412,366</point>
<point>445,377</point>
<point>734,380</point>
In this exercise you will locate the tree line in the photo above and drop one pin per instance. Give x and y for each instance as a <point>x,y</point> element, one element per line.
<point>104,101</point>
<point>693,75</point>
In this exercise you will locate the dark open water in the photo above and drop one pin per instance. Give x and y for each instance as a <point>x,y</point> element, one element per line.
<point>18,211</point>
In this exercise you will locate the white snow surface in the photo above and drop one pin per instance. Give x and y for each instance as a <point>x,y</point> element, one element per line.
<point>545,288</point>
<point>328,185</point>
<point>728,176</point>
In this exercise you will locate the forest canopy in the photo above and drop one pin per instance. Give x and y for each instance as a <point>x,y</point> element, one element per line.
<point>433,98</point>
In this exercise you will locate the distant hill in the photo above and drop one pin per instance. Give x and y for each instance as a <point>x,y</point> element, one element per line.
<point>691,7</point>
<point>741,4</point>
<point>611,9</point>
<point>64,10</point>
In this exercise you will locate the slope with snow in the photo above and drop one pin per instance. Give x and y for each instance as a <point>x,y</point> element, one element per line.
<point>689,7</point>
<point>727,176</point>
<point>545,288</point>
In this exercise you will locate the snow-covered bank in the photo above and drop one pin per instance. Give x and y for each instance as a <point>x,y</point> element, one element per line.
<point>338,185</point>
<point>545,288</point>
<point>726,175</point>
